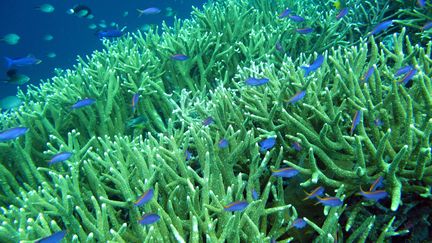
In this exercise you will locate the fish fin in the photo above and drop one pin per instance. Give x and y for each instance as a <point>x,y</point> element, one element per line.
<point>9,62</point>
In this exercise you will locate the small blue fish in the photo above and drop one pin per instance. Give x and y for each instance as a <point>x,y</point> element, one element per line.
<point>54,238</point>
<point>237,206</point>
<point>135,99</point>
<point>319,191</point>
<point>378,122</point>
<point>111,33</point>
<point>146,197</point>
<point>267,144</point>
<point>279,47</point>
<point>375,195</point>
<point>376,184</point>
<point>367,75</point>
<point>296,146</point>
<point>223,143</point>
<point>342,13</point>
<point>305,31</point>
<point>208,121</point>
<point>179,57</point>
<point>314,66</point>
<point>83,103</point>
<point>188,155</point>
<point>285,172</point>
<point>256,81</point>
<point>329,201</point>
<point>355,121</point>
<point>403,70</point>
<point>149,218</point>
<point>408,76</point>
<point>284,13</point>
<point>255,195</point>
<point>12,133</point>
<point>296,18</point>
<point>381,27</point>
<point>22,61</point>
<point>299,223</point>
<point>298,96</point>
<point>60,157</point>
<point>421,3</point>
<point>148,11</point>
<point>427,26</point>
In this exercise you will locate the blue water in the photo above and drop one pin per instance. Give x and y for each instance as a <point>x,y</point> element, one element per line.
<point>72,36</point>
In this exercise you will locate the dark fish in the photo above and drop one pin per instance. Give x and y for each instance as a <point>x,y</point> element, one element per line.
<point>149,218</point>
<point>342,13</point>
<point>237,206</point>
<point>376,184</point>
<point>12,133</point>
<point>299,223</point>
<point>284,13</point>
<point>355,121</point>
<point>16,78</point>
<point>60,157</point>
<point>148,11</point>
<point>330,201</point>
<point>256,81</point>
<point>81,11</point>
<point>54,238</point>
<point>208,121</point>
<point>298,96</point>
<point>375,195</point>
<point>304,31</point>
<point>111,33</point>
<point>146,197</point>
<point>285,172</point>
<point>179,57</point>
<point>381,27</point>
<point>21,61</point>
<point>83,103</point>
<point>319,191</point>
<point>296,18</point>
<point>314,66</point>
<point>267,144</point>
<point>223,143</point>
<point>367,75</point>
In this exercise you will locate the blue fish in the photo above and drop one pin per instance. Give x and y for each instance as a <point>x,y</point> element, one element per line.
<point>319,191</point>
<point>237,206</point>
<point>83,103</point>
<point>296,146</point>
<point>285,172</point>
<point>188,155</point>
<point>208,121</point>
<point>148,11</point>
<point>378,122</point>
<point>408,76</point>
<point>376,184</point>
<point>296,18</point>
<point>284,13</point>
<point>375,195</point>
<point>149,218</point>
<point>21,61</point>
<point>403,70</point>
<point>314,66</point>
<point>427,26</point>
<point>298,96</point>
<point>381,27</point>
<point>329,201</point>
<point>267,144</point>
<point>255,195</point>
<point>112,33</point>
<point>179,57</point>
<point>146,197</point>
<point>223,143</point>
<point>279,47</point>
<point>355,121</point>
<point>367,75</point>
<point>342,13</point>
<point>299,223</point>
<point>256,81</point>
<point>60,157</point>
<point>135,99</point>
<point>305,31</point>
<point>421,3</point>
<point>54,238</point>
<point>12,133</point>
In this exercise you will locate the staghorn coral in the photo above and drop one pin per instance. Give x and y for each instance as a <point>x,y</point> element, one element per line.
<point>92,194</point>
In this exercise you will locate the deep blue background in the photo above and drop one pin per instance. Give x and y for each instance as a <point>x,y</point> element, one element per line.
<point>72,37</point>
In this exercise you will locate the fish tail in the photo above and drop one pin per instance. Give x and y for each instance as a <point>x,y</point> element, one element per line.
<point>306,69</point>
<point>9,62</point>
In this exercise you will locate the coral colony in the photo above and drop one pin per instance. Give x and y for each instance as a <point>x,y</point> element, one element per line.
<point>233,139</point>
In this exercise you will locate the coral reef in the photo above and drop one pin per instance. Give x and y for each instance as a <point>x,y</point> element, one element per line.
<point>175,150</point>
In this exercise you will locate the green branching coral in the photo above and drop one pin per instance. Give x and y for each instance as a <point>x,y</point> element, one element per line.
<point>92,194</point>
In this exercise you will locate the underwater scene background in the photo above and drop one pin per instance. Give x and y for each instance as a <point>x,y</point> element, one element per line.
<point>242,121</point>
